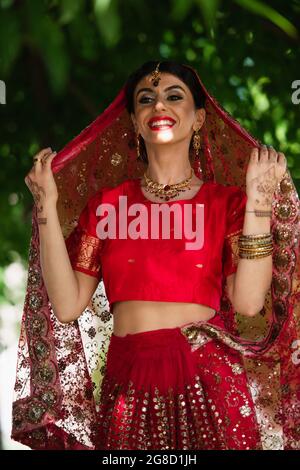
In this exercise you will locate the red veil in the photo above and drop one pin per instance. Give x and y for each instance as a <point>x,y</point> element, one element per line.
<point>61,366</point>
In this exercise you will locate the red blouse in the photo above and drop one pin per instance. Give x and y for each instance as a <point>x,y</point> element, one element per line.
<point>161,269</point>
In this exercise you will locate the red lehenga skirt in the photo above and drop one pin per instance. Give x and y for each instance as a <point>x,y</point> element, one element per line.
<point>157,393</point>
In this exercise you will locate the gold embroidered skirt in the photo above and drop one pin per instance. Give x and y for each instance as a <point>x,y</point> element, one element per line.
<point>157,393</point>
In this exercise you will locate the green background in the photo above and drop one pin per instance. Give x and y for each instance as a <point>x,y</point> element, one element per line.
<point>64,61</point>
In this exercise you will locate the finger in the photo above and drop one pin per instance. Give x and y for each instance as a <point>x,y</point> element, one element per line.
<point>272,154</point>
<point>37,165</point>
<point>47,160</point>
<point>263,156</point>
<point>39,156</point>
<point>281,159</point>
<point>43,152</point>
<point>254,155</point>
<point>44,159</point>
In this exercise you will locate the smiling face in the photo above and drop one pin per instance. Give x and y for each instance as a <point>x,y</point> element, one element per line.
<point>171,100</point>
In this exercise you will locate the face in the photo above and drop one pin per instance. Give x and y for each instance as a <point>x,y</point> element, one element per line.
<point>172,100</point>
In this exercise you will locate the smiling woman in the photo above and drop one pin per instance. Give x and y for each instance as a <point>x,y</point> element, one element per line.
<point>180,114</point>
<point>178,91</point>
<point>163,355</point>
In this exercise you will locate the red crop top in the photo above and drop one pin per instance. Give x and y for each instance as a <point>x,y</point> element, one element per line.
<point>161,269</point>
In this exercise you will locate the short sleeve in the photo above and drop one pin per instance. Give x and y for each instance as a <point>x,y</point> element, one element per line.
<point>83,245</point>
<point>236,205</point>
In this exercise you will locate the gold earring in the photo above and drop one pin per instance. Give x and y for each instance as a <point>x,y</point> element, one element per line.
<point>138,147</point>
<point>197,147</point>
<point>197,142</point>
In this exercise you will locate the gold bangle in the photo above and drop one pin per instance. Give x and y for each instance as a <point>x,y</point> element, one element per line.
<point>254,253</point>
<point>245,246</point>
<point>245,239</point>
<point>255,236</point>
<point>253,241</point>
<point>256,248</point>
<point>259,248</point>
<point>255,245</point>
<point>251,252</point>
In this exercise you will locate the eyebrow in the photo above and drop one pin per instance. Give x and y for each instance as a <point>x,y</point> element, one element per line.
<point>166,89</point>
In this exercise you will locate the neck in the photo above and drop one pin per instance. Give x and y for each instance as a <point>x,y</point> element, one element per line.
<point>168,163</point>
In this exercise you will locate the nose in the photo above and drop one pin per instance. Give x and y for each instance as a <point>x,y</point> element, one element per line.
<point>159,105</point>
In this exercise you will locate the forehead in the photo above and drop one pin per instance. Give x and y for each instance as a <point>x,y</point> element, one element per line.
<point>167,79</point>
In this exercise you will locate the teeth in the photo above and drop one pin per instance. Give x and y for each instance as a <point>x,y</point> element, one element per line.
<point>162,122</point>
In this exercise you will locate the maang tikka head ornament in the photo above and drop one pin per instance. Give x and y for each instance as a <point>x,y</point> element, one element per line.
<point>156,75</point>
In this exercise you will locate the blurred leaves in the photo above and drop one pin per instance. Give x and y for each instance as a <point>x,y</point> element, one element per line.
<point>70,9</point>
<point>209,9</point>
<point>9,31</point>
<point>261,9</point>
<point>64,61</point>
<point>108,21</point>
<point>47,40</point>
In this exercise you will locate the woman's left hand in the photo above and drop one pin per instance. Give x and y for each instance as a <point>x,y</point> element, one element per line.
<point>265,170</point>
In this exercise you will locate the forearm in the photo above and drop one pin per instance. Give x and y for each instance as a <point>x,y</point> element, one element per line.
<point>253,276</point>
<point>60,280</point>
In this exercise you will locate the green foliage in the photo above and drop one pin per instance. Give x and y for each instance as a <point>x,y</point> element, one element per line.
<point>63,62</point>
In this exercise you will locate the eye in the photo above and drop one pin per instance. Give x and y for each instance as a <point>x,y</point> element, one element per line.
<point>145,99</point>
<point>175,96</point>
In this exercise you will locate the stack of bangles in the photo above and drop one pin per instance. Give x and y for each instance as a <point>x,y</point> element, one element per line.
<point>255,246</point>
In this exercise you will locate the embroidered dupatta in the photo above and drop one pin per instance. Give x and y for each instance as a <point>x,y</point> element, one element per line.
<point>60,367</point>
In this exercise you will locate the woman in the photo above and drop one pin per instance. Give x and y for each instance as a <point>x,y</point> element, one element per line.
<point>177,375</point>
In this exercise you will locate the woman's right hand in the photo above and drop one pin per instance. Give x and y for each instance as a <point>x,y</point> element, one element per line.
<point>40,180</point>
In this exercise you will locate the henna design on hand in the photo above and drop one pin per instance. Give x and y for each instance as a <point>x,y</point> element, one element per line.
<point>266,185</point>
<point>37,192</point>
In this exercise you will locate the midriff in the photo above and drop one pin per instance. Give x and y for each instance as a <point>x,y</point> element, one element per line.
<point>136,316</point>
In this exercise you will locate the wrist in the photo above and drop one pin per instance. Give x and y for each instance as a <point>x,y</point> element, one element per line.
<point>45,212</point>
<point>46,206</point>
<point>254,224</point>
<point>251,205</point>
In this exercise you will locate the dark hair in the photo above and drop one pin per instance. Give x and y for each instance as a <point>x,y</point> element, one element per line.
<point>184,73</point>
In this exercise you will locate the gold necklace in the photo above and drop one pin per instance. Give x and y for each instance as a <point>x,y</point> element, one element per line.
<point>167,191</point>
